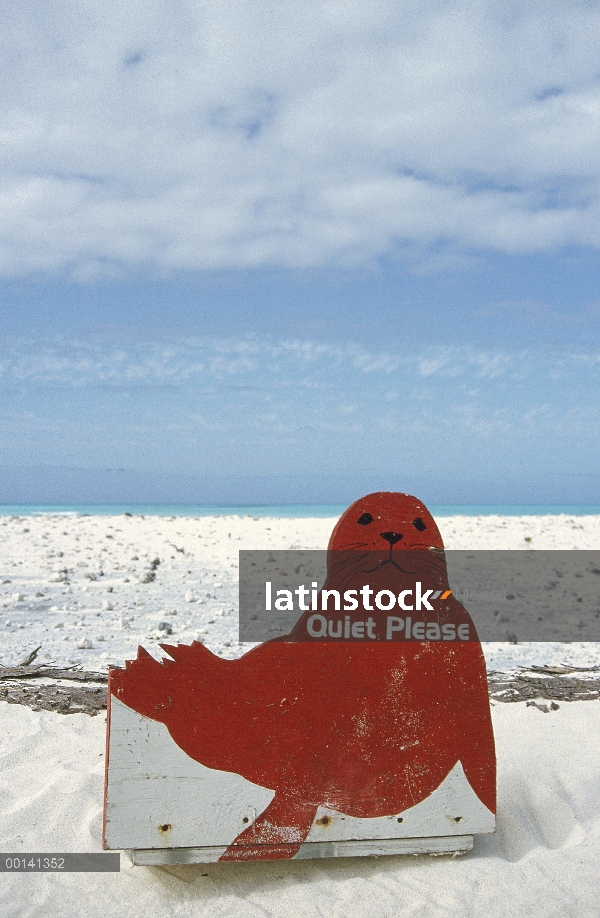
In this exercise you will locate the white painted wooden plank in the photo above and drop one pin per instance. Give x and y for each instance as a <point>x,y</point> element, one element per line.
<point>457,844</point>
<point>158,797</point>
<point>152,783</point>
<point>452,809</point>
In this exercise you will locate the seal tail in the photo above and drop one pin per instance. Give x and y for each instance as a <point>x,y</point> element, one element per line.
<point>142,685</point>
<point>149,687</point>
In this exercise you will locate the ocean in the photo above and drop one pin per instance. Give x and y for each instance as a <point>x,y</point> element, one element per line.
<point>285,511</point>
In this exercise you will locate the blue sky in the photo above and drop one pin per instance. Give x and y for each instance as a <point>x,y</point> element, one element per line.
<point>295,251</point>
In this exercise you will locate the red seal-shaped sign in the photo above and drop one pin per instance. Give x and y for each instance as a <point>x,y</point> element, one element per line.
<point>359,715</point>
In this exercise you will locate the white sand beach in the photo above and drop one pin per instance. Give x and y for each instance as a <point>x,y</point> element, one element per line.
<point>89,589</point>
<point>71,580</point>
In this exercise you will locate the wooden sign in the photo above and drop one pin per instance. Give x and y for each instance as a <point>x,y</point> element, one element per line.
<point>360,732</point>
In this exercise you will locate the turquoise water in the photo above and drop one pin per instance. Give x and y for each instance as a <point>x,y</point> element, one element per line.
<point>283,512</point>
<point>290,511</point>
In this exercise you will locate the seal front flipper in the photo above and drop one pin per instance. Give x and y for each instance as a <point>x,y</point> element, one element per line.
<point>277,834</point>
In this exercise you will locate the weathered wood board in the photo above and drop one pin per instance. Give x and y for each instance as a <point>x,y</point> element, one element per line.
<point>458,844</point>
<point>157,797</point>
<point>309,748</point>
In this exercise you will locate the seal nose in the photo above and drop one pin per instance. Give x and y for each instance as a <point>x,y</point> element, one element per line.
<point>391,537</point>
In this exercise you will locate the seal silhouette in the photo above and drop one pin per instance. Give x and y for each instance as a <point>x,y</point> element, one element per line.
<point>364,727</point>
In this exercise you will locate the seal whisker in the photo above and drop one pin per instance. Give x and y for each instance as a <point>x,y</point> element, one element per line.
<point>343,563</point>
<point>348,558</point>
<point>341,578</point>
<point>370,570</point>
<point>432,570</point>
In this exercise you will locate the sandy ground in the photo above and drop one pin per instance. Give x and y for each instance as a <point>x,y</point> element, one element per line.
<point>82,587</point>
<point>70,582</point>
<point>541,863</point>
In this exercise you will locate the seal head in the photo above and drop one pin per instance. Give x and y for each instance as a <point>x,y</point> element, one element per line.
<point>384,520</point>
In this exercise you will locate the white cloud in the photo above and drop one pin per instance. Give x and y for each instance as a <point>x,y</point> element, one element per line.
<point>302,365</point>
<point>268,405</point>
<point>194,135</point>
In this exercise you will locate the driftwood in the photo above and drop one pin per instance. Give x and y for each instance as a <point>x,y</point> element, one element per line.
<point>553,683</point>
<point>30,656</point>
<point>73,673</point>
<point>62,699</point>
<point>541,682</point>
<point>53,696</point>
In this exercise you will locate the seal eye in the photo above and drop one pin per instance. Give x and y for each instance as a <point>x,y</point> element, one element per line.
<point>365,519</point>
<point>419,524</point>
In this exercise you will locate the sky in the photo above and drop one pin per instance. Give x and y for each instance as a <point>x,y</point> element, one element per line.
<point>291,252</point>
